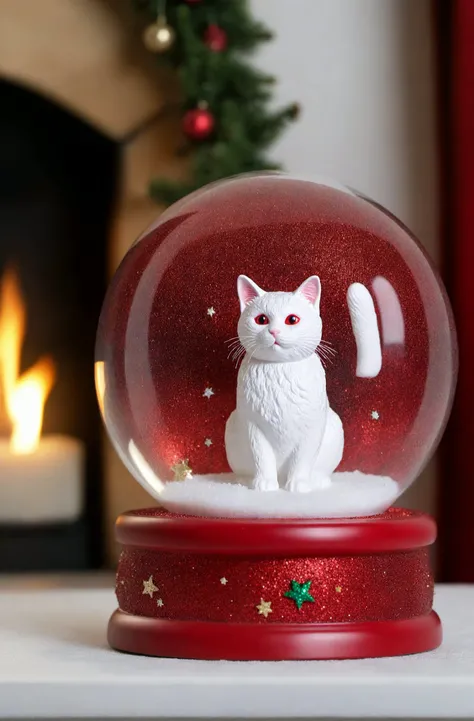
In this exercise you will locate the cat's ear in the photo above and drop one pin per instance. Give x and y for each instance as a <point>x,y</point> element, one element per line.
<point>311,290</point>
<point>247,290</point>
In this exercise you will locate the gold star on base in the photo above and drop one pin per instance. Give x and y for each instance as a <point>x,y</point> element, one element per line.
<point>264,608</point>
<point>149,587</point>
<point>182,470</point>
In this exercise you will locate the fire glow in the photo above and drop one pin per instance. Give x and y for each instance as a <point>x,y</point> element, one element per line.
<point>23,395</point>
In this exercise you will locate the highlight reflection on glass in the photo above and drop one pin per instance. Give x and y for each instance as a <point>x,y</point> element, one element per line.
<point>391,315</point>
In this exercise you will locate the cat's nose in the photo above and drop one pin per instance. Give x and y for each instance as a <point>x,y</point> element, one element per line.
<point>275,332</point>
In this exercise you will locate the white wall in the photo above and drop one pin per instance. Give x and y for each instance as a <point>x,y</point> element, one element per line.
<point>363,72</point>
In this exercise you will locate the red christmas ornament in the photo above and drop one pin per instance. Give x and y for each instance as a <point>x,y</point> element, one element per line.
<point>198,123</point>
<point>215,38</point>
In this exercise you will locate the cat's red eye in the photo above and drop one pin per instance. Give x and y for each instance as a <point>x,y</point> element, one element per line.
<point>292,320</point>
<point>261,319</point>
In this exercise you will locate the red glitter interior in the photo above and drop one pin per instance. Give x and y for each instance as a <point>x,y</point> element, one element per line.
<point>161,348</point>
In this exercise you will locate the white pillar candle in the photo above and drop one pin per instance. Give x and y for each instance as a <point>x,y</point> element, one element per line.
<point>45,486</point>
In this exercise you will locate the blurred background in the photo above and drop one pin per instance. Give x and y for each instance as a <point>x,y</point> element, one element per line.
<point>96,106</point>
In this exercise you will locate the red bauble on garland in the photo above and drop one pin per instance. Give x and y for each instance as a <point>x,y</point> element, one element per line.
<point>215,38</point>
<point>198,123</point>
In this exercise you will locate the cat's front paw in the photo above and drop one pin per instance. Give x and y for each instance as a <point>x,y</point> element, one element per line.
<point>260,483</point>
<point>298,485</point>
<point>321,481</point>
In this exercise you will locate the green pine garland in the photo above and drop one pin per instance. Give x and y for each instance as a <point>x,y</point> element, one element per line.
<point>236,93</point>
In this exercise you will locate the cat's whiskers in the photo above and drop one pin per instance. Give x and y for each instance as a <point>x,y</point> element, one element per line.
<point>307,348</point>
<point>329,356</point>
<point>325,359</point>
<point>330,353</point>
<point>231,349</point>
<point>239,356</point>
<point>322,360</point>
<point>251,351</point>
<point>327,347</point>
<point>327,352</point>
<point>236,347</point>
<point>236,344</point>
<point>236,340</point>
<point>236,351</point>
<point>235,337</point>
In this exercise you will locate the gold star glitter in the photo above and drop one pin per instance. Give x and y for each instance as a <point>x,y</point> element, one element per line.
<point>210,311</point>
<point>224,580</point>
<point>338,589</point>
<point>182,470</point>
<point>208,442</point>
<point>149,587</point>
<point>208,392</point>
<point>160,603</point>
<point>375,415</point>
<point>264,608</point>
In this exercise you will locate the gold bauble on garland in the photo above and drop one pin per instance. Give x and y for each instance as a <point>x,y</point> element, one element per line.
<point>159,36</point>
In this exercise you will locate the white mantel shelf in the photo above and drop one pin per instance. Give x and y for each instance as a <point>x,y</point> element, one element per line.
<point>55,663</point>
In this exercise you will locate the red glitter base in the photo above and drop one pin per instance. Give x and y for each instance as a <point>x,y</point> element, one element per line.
<point>193,587</point>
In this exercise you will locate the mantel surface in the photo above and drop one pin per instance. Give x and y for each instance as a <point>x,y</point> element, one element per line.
<point>55,663</point>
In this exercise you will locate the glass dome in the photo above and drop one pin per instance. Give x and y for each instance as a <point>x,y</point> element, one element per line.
<point>275,347</point>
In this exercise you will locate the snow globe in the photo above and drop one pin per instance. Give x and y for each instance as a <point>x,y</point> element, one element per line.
<point>275,364</point>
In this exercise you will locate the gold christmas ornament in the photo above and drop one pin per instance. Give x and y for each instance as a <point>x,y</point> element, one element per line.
<point>159,36</point>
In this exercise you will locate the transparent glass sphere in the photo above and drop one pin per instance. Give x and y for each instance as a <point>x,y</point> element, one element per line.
<point>171,353</point>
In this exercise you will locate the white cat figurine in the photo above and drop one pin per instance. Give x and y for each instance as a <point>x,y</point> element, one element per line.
<point>283,433</point>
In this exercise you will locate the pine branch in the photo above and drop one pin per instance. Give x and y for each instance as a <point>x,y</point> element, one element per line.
<point>234,91</point>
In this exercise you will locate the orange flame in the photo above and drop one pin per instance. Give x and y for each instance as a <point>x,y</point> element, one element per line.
<point>24,396</point>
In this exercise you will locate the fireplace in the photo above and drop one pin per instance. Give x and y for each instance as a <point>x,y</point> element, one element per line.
<point>57,190</point>
<point>88,118</point>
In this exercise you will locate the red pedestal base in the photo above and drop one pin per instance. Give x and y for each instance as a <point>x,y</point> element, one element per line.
<point>238,589</point>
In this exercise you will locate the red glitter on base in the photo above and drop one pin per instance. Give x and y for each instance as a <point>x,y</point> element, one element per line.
<point>185,582</point>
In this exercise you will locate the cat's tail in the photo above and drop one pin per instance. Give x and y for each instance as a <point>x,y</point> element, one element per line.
<point>366,331</point>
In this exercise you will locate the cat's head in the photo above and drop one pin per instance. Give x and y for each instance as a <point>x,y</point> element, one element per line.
<point>279,327</point>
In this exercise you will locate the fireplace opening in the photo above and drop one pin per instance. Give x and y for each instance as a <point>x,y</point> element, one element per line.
<point>57,188</point>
